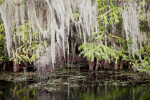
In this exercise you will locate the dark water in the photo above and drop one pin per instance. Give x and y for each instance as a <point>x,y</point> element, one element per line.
<point>20,91</point>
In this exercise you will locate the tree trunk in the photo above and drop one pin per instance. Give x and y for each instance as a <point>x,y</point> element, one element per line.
<point>59,64</point>
<point>68,60</point>
<point>91,65</point>
<point>134,70</point>
<point>129,66</point>
<point>121,65</point>
<point>91,76</point>
<point>106,65</point>
<point>15,66</point>
<point>4,66</point>
<point>73,50</point>
<point>97,64</point>
<point>116,65</point>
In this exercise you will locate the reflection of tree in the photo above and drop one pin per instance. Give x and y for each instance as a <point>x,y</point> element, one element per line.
<point>23,93</point>
<point>119,93</point>
<point>4,89</point>
<point>16,91</point>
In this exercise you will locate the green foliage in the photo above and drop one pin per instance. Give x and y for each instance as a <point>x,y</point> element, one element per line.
<point>2,35</point>
<point>76,16</point>
<point>3,53</point>
<point>144,64</point>
<point>26,35</point>
<point>148,34</point>
<point>100,51</point>
<point>108,12</point>
<point>26,52</point>
<point>23,53</point>
<point>1,1</point>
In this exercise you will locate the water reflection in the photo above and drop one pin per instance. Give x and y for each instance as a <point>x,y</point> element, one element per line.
<point>16,91</point>
<point>20,91</point>
<point>118,93</point>
<point>25,73</point>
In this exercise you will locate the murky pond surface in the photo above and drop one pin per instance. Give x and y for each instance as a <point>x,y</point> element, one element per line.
<point>21,91</point>
<point>76,85</point>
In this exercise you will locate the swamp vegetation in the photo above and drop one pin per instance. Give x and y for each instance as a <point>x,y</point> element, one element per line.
<point>74,49</point>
